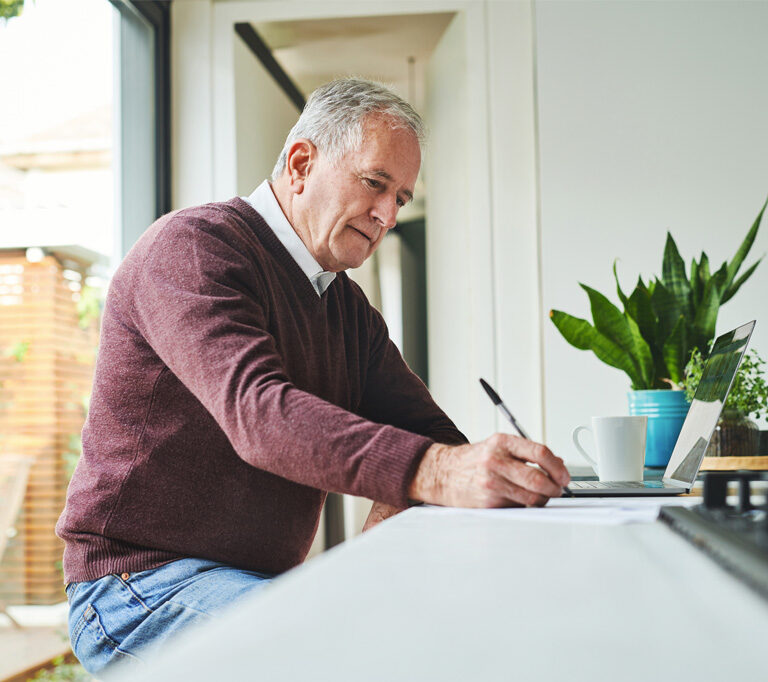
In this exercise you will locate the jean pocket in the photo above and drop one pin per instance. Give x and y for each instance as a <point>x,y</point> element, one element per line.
<point>70,590</point>
<point>94,648</point>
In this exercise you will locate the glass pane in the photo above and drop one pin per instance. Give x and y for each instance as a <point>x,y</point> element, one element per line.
<point>135,118</point>
<point>56,219</point>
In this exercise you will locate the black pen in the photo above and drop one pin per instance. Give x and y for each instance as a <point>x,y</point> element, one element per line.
<point>505,411</point>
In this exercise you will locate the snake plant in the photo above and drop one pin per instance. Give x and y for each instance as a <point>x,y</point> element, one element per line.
<point>663,321</point>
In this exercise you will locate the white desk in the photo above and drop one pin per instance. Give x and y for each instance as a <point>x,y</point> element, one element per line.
<point>468,597</point>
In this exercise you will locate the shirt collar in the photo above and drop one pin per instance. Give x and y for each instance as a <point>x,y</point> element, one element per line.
<point>266,205</point>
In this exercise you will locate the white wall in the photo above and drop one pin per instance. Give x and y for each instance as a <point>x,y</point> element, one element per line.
<point>263,116</point>
<point>514,213</point>
<point>482,261</point>
<point>652,116</point>
<point>446,175</point>
<point>192,103</point>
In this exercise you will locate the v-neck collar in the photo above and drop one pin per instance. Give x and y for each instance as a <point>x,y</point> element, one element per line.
<point>265,203</point>
<point>270,240</point>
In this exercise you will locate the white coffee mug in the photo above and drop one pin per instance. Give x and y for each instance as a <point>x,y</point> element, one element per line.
<point>620,443</point>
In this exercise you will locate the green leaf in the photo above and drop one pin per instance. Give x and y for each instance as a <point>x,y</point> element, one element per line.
<point>695,282</point>
<point>611,323</point>
<point>743,250</point>
<point>622,296</point>
<point>728,295</point>
<point>719,279</point>
<point>673,275</point>
<point>642,353</point>
<point>706,316</point>
<point>641,310</point>
<point>608,319</point>
<point>667,311</point>
<point>704,268</point>
<point>702,277</point>
<point>674,351</point>
<point>577,332</point>
<point>607,351</point>
<point>583,335</point>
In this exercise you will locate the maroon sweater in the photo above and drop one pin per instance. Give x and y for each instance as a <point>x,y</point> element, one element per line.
<point>228,397</point>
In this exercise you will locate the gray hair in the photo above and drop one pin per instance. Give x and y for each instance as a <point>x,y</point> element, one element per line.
<point>335,113</point>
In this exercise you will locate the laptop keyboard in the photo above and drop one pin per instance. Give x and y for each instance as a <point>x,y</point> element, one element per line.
<point>614,484</point>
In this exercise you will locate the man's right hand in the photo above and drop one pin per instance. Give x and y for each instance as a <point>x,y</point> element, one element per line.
<point>492,473</point>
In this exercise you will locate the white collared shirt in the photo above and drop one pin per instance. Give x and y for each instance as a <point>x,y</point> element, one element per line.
<point>266,205</point>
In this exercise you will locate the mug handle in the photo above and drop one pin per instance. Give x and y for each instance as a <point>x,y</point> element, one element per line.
<point>584,453</point>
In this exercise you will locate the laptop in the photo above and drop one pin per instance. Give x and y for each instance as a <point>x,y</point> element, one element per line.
<point>698,427</point>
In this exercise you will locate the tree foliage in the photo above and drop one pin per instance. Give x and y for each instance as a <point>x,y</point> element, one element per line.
<point>11,8</point>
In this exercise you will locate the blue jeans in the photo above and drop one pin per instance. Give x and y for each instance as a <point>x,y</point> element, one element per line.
<point>115,617</point>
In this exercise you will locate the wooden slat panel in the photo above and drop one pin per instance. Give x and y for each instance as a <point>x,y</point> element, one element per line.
<point>17,571</point>
<point>40,409</point>
<point>17,563</point>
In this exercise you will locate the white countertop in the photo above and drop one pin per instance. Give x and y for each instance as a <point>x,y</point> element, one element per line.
<point>465,596</point>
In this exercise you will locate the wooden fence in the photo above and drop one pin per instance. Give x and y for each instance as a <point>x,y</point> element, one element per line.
<point>46,365</point>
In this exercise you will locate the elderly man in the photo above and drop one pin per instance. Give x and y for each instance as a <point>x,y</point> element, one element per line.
<point>242,374</point>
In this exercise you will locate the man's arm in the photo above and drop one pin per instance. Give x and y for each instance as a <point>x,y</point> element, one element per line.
<point>202,317</point>
<point>198,299</point>
<point>395,395</point>
<point>492,473</point>
<point>380,512</point>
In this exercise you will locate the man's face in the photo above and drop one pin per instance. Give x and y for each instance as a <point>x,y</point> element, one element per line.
<point>347,207</point>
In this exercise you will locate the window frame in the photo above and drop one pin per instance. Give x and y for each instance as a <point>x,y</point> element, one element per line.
<point>143,118</point>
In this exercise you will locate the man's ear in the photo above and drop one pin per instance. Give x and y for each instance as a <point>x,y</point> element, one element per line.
<point>299,161</point>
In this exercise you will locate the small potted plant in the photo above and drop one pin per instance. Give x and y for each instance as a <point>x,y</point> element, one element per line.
<point>651,340</point>
<point>736,434</point>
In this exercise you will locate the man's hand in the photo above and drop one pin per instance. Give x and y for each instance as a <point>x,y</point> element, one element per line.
<point>379,512</point>
<point>492,473</point>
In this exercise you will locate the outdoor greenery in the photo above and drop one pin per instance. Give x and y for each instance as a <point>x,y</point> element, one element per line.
<point>71,456</point>
<point>18,351</point>
<point>62,672</point>
<point>10,8</point>
<point>749,393</point>
<point>89,306</point>
<point>664,320</point>
<point>89,309</point>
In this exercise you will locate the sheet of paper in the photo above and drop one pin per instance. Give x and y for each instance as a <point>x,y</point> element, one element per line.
<point>604,511</point>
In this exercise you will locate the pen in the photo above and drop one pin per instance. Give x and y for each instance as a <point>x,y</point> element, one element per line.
<point>510,417</point>
<point>502,407</point>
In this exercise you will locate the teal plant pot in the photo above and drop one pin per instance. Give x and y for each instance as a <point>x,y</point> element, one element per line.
<point>666,412</point>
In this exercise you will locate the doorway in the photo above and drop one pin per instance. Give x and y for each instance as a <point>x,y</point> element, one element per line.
<point>277,65</point>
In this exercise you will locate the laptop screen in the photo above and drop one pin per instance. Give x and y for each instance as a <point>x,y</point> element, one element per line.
<point>716,379</point>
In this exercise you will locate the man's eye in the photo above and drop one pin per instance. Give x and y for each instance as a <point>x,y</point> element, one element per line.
<point>375,184</point>
<point>400,202</point>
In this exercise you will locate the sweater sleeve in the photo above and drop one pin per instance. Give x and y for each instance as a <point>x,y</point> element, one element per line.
<point>394,395</point>
<point>195,300</point>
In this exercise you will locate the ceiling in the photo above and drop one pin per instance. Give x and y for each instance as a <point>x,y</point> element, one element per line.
<point>313,52</point>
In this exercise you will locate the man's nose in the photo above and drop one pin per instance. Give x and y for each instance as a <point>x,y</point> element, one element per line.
<point>385,212</point>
